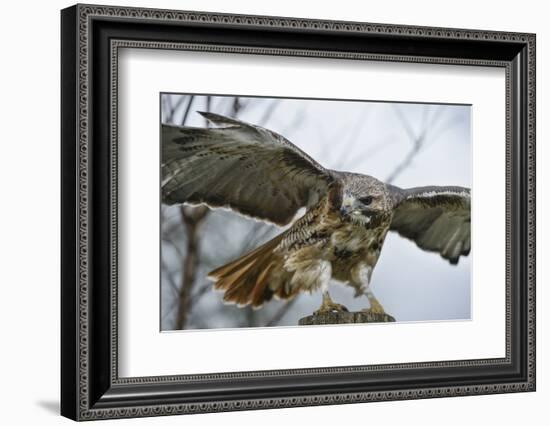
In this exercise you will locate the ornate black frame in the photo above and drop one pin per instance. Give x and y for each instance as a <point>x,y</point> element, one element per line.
<point>90,386</point>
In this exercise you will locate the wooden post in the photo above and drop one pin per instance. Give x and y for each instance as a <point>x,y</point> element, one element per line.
<point>345,318</point>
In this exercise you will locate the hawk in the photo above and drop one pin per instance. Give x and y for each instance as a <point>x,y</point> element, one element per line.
<point>260,174</point>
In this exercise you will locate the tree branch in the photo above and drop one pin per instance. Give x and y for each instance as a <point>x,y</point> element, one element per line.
<point>187,109</point>
<point>417,142</point>
<point>191,218</point>
<point>281,312</point>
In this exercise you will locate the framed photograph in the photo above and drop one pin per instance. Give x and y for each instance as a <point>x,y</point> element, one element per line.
<point>263,212</point>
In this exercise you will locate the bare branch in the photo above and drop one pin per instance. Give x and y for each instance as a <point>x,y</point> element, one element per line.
<point>166,273</point>
<point>236,106</point>
<point>406,162</point>
<point>352,138</point>
<point>171,107</point>
<point>417,142</point>
<point>200,292</point>
<point>268,112</point>
<point>187,109</point>
<point>176,247</point>
<point>191,218</point>
<point>298,118</point>
<point>281,312</point>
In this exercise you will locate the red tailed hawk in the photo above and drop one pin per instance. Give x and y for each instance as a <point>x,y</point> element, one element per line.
<point>260,174</point>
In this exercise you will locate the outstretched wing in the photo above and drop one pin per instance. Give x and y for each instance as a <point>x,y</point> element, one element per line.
<point>247,168</point>
<point>436,218</point>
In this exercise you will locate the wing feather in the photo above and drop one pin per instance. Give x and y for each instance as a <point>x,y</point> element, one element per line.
<point>247,168</point>
<point>436,218</point>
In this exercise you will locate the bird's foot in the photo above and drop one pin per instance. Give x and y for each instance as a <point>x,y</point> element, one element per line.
<point>375,308</point>
<point>328,306</point>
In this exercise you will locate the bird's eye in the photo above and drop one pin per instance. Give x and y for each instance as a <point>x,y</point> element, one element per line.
<point>366,200</point>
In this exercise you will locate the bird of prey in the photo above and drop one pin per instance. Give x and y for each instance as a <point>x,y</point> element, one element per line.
<point>258,173</point>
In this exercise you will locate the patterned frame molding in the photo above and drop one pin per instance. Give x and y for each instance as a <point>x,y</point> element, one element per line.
<point>91,388</point>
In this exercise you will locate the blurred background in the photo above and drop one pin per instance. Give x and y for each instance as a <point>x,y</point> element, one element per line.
<point>403,144</point>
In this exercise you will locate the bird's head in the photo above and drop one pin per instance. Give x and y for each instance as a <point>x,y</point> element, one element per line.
<point>361,199</point>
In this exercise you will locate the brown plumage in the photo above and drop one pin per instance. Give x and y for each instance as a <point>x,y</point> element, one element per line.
<point>259,173</point>
<point>245,280</point>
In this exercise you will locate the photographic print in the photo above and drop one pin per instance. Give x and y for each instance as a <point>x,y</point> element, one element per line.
<point>296,212</point>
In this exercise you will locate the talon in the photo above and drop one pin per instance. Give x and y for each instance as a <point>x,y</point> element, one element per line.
<point>373,311</point>
<point>328,305</point>
<point>375,308</point>
<point>335,307</point>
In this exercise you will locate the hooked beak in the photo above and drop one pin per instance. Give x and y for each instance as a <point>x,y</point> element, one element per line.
<point>345,210</point>
<point>350,211</point>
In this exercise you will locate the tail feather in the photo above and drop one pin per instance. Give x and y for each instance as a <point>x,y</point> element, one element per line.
<point>250,279</point>
<point>259,294</point>
<point>239,265</point>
